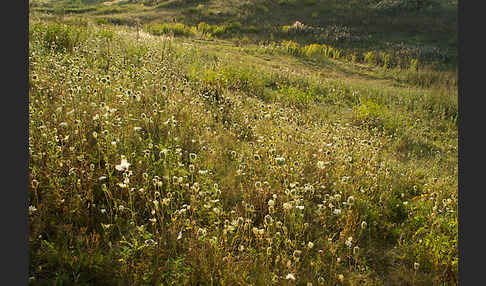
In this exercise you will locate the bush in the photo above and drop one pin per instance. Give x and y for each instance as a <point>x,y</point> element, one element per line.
<point>223,30</point>
<point>177,29</point>
<point>372,115</point>
<point>369,58</point>
<point>310,2</point>
<point>60,37</point>
<point>294,94</point>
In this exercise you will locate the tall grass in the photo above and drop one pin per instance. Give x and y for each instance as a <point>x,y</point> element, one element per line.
<point>176,29</point>
<point>150,164</point>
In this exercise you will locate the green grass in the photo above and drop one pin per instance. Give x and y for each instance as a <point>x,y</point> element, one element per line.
<point>173,29</point>
<point>357,27</point>
<point>174,154</point>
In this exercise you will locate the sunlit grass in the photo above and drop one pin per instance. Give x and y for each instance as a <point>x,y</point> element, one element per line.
<point>152,165</point>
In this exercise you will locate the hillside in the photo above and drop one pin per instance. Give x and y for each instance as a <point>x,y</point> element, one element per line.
<point>217,142</point>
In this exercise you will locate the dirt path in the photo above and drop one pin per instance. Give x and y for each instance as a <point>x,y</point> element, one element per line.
<point>108,3</point>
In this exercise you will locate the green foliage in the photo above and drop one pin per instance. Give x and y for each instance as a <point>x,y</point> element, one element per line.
<point>176,29</point>
<point>57,36</point>
<point>294,94</point>
<point>374,115</point>
<point>369,57</point>
<point>118,20</point>
<point>226,30</point>
<point>285,29</point>
<point>179,3</point>
<point>413,65</point>
<point>109,10</point>
<point>312,50</point>
<point>434,246</point>
<point>441,105</point>
<point>288,2</point>
<point>385,58</point>
<point>102,21</point>
<point>228,77</point>
<point>310,2</point>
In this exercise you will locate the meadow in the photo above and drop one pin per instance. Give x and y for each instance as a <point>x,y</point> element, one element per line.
<point>258,142</point>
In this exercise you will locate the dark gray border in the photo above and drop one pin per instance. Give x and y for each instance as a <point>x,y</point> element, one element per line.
<point>15,119</point>
<point>471,127</point>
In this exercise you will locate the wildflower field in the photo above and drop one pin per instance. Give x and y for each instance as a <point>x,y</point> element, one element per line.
<point>159,157</point>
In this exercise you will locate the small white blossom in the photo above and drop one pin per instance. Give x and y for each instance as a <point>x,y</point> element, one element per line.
<point>290,276</point>
<point>349,242</point>
<point>287,206</point>
<point>364,225</point>
<point>123,166</point>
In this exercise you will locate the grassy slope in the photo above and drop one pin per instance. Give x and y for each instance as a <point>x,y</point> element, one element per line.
<point>388,144</point>
<point>369,28</point>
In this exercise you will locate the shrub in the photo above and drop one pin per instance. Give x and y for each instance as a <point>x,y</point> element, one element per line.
<point>285,29</point>
<point>310,2</point>
<point>385,58</point>
<point>219,30</point>
<point>177,29</point>
<point>291,47</point>
<point>369,57</point>
<point>294,94</point>
<point>60,37</point>
<point>253,29</point>
<point>102,21</point>
<point>372,114</point>
<point>414,65</point>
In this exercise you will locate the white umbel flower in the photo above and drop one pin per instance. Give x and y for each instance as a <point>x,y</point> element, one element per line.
<point>290,276</point>
<point>124,165</point>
